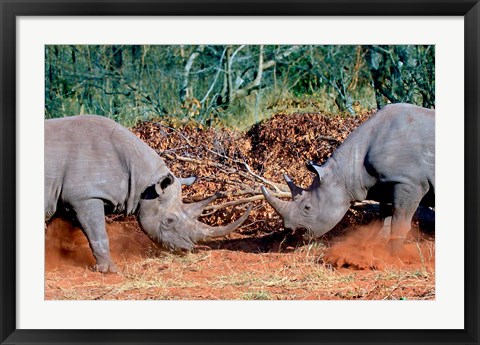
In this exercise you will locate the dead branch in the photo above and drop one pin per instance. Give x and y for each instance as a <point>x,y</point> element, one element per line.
<point>324,137</point>
<point>234,202</point>
<point>174,130</point>
<point>279,188</point>
<point>259,196</point>
<point>367,205</point>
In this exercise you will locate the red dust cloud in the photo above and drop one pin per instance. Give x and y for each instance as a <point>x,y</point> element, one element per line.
<point>66,245</point>
<point>363,248</point>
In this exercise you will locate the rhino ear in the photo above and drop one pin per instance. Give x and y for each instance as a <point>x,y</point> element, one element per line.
<point>155,190</point>
<point>149,193</point>
<point>317,169</point>
<point>164,182</point>
<point>187,181</point>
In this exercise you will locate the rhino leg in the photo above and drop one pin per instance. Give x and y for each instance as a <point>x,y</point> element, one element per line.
<point>91,216</point>
<point>386,227</point>
<point>406,200</point>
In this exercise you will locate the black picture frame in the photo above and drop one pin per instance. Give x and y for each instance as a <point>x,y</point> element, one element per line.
<point>9,334</point>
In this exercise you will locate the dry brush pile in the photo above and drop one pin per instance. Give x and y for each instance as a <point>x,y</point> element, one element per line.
<point>237,164</point>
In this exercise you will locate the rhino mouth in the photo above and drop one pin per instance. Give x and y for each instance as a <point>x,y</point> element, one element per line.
<point>179,245</point>
<point>304,229</point>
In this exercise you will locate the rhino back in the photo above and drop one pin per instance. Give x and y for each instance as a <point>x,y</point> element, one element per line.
<point>403,148</point>
<point>395,145</point>
<point>93,157</point>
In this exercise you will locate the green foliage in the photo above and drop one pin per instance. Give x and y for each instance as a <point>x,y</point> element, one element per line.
<point>402,73</point>
<point>232,85</point>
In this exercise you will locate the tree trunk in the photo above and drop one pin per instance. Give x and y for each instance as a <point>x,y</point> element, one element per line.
<point>185,88</point>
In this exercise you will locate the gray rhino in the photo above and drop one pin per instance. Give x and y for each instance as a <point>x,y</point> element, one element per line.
<point>390,158</point>
<point>94,166</point>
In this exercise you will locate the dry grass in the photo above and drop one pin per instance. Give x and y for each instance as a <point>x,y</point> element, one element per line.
<point>222,275</point>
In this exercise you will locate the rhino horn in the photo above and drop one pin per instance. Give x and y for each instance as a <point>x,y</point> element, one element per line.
<point>204,232</point>
<point>195,209</point>
<point>296,191</point>
<point>279,205</point>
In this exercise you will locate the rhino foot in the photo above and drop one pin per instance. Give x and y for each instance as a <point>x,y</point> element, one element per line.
<point>395,245</point>
<point>105,267</point>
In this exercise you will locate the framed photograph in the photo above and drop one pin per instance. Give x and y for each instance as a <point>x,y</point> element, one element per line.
<point>240,95</point>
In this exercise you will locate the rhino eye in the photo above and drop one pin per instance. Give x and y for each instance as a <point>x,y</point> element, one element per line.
<point>307,207</point>
<point>170,220</point>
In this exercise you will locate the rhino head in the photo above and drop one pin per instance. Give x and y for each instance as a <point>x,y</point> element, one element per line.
<point>166,219</point>
<point>317,209</point>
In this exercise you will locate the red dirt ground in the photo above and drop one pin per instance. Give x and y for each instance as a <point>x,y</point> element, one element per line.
<point>273,266</point>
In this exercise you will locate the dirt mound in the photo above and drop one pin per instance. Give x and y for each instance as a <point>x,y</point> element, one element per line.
<point>285,142</point>
<point>235,163</point>
<point>280,144</point>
